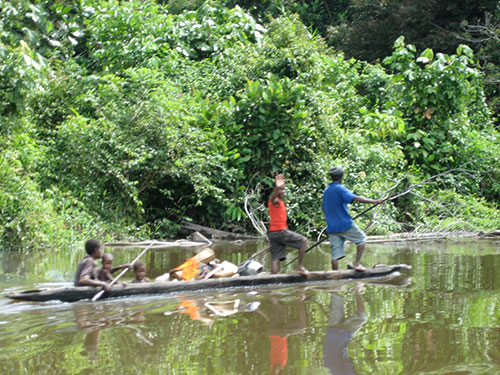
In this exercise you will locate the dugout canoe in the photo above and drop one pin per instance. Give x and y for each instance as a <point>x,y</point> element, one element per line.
<point>72,294</point>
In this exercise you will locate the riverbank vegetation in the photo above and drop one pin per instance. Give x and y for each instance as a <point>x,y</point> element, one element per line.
<point>119,120</point>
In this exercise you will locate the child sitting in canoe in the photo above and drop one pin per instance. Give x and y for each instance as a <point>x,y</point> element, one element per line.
<point>106,272</point>
<point>140,273</point>
<point>86,273</point>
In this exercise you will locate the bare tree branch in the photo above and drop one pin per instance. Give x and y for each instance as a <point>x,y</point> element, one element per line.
<point>481,33</point>
<point>257,223</point>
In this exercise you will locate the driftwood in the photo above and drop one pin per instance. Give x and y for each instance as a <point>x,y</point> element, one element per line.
<point>71,294</point>
<point>158,244</point>
<point>195,239</point>
<point>216,234</point>
<point>492,234</point>
<point>415,236</point>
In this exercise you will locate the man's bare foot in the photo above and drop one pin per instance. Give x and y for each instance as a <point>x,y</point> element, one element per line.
<point>359,267</point>
<point>302,271</point>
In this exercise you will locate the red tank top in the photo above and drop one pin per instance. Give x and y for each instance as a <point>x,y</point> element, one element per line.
<point>277,216</point>
<point>278,352</point>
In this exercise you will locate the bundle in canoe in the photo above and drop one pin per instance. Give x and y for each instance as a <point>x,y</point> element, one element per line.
<point>71,294</point>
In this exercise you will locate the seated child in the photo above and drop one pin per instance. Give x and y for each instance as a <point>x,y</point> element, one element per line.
<point>105,273</point>
<point>86,273</point>
<point>140,273</point>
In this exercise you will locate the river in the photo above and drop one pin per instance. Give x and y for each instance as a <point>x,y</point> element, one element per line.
<point>443,319</point>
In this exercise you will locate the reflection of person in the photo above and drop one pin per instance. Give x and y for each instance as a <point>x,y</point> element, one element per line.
<point>86,273</point>
<point>106,272</point>
<point>340,225</point>
<point>91,344</point>
<point>91,323</point>
<point>340,332</point>
<point>92,319</point>
<point>279,235</point>
<point>140,273</point>
<point>281,328</point>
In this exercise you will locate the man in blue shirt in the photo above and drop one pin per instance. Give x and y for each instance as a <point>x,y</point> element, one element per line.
<point>340,225</point>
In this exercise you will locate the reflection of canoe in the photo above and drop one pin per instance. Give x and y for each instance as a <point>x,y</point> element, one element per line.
<point>71,294</point>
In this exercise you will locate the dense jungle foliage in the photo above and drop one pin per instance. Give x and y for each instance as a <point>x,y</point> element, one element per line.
<point>122,119</point>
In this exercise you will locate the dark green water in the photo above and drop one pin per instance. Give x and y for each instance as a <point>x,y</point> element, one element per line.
<point>444,320</point>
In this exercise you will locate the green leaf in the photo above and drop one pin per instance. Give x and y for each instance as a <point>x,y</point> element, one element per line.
<point>428,54</point>
<point>423,60</point>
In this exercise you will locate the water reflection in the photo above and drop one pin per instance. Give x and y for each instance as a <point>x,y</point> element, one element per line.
<point>445,322</point>
<point>94,318</point>
<point>340,332</point>
<point>206,310</point>
<point>283,323</point>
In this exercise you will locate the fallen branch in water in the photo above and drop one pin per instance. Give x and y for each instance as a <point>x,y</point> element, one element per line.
<point>414,236</point>
<point>215,233</point>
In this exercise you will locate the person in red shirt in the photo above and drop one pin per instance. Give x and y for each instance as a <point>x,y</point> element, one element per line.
<point>279,235</point>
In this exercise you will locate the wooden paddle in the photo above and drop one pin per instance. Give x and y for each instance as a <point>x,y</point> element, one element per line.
<point>99,294</point>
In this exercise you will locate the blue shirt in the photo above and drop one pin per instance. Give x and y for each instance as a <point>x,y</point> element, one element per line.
<point>336,197</point>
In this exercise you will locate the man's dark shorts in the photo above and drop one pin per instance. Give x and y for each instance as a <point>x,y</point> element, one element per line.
<point>280,239</point>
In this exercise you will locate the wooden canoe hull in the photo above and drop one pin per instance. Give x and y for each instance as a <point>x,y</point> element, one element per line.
<point>72,294</point>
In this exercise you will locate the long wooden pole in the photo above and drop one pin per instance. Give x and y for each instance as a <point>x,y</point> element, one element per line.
<point>255,254</point>
<point>99,294</point>
<point>354,218</point>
